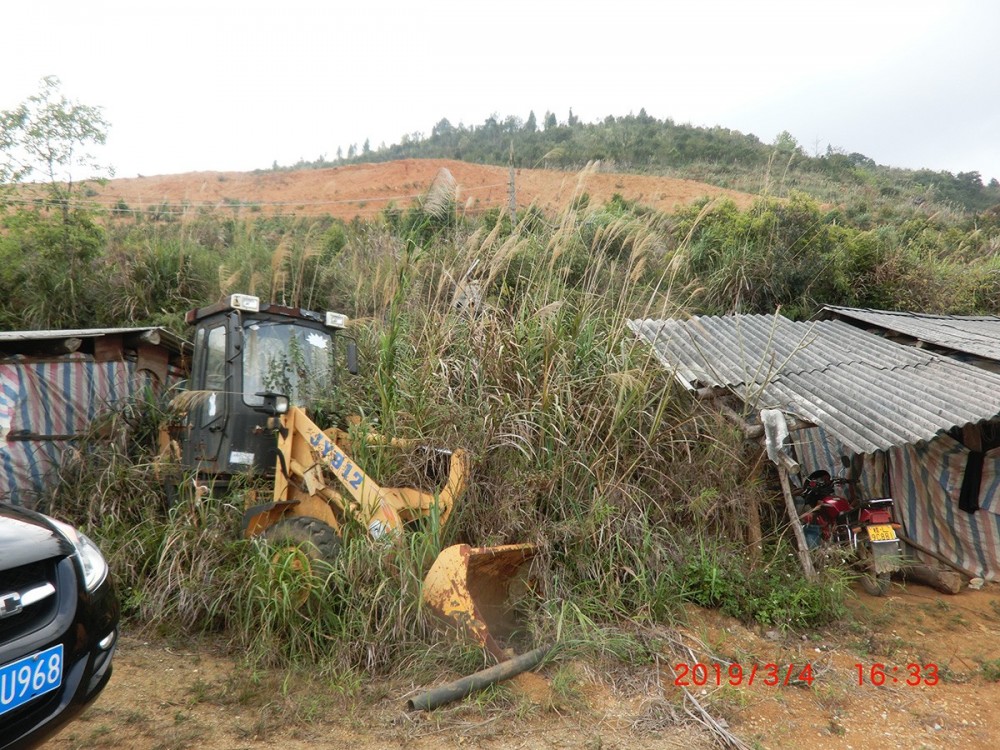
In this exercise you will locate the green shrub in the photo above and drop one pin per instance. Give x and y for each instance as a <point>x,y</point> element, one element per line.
<point>770,594</point>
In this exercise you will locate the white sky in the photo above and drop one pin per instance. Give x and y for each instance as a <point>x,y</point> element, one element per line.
<point>238,84</point>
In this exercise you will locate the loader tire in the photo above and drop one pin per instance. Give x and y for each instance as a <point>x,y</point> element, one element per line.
<point>315,538</point>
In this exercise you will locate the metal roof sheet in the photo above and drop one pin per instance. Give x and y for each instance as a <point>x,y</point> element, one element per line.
<point>972,334</point>
<point>153,334</point>
<point>868,392</point>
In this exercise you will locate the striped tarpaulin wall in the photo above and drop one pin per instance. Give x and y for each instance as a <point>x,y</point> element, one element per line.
<point>57,398</point>
<point>926,480</point>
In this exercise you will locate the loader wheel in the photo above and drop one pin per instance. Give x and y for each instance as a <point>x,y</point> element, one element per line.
<point>299,542</point>
<point>316,539</point>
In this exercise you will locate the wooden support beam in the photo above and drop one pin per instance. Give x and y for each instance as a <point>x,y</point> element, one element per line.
<point>753,431</point>
<point>937,556</point>
<point>946,581</point>
<point>707,394</point>
<point>793,517</point>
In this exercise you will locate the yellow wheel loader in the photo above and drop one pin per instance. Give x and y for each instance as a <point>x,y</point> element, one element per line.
<point>254,369</point>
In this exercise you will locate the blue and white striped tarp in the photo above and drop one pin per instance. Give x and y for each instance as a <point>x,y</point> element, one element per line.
<point>54,401</point>
<point>926,480</point>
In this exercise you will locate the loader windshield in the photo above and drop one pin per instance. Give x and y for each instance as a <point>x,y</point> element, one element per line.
<point>286,358</point>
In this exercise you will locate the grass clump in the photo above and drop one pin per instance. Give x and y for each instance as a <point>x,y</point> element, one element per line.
<point>774,594</point>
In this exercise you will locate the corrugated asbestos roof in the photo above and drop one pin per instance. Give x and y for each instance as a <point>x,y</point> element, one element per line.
<point>868,392</point>
<point>154,335</point>
<point>979,335</point>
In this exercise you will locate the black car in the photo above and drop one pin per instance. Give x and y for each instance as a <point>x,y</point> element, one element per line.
<point>58,625</point>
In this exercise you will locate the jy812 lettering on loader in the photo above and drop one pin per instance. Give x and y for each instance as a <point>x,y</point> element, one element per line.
<point>250,368</point>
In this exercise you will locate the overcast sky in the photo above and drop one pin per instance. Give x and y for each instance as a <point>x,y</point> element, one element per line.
<point>238,85</point>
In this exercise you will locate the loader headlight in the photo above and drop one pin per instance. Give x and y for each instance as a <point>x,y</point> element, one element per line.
<point>274,403</point>
<point>336,320</point>
<point>244,302</point>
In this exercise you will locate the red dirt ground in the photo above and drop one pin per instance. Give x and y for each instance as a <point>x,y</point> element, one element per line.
<point>363,190</point>
<point>186,694</point>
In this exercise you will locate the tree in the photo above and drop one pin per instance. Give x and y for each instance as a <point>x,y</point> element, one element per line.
<point>530,125</point>
<point>444,127</point>
<point>550,121</point>
<point>49,135</point>
<point>46,139</point>
<point>572,119</point>
<point>785,142</point>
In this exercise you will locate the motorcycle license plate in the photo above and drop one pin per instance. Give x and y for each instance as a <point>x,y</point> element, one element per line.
<point>882,533</point>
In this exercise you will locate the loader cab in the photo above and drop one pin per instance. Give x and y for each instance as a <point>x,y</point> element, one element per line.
<point>242,350</point>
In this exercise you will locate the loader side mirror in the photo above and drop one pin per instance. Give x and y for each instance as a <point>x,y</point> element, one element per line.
<point>352,357</point>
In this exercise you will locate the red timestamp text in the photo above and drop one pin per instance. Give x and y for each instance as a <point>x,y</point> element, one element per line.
<point>716,674</point>
<point>912,674</point>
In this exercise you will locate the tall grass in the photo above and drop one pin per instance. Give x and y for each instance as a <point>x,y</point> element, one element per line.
<point>579,442</point>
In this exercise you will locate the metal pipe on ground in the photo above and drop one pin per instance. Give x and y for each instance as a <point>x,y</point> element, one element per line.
<point>453,691</point>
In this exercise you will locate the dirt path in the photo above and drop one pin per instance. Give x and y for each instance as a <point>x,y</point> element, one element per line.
<point>166,698</point>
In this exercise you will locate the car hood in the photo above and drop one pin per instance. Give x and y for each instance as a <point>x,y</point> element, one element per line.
<point>26,537</point>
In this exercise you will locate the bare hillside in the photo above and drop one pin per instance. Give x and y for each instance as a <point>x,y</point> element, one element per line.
<point>365,189</point>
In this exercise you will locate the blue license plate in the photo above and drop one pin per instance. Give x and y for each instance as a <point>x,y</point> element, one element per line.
<point>27,678</point>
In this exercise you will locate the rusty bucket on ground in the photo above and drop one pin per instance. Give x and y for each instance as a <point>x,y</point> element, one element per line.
<point>475,588</point>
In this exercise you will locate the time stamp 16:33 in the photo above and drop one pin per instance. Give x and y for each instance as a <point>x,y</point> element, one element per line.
<point>774,675</point>
<point>912,674</point>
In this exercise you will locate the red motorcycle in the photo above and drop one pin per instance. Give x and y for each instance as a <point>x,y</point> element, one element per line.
<point>864,529</point>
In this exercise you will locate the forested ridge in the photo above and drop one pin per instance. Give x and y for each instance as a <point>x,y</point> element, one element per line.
<point>644,144</point>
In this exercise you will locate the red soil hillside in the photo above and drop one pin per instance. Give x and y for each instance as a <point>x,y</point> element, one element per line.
<point>365,189</point>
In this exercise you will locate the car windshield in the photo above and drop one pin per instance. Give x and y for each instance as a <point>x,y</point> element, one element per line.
<point>286,358</point>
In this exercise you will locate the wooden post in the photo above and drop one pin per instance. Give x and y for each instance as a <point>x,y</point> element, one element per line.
<point>512,196</point>
<point>754,534</point>
<point>793,516</point>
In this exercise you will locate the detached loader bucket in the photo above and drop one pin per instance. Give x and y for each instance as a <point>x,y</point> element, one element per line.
<point>471,587</point>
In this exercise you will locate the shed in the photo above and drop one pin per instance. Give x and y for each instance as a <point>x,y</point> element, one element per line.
<point>971,338</point>
<point>54,383</point>
<point>911,412</point>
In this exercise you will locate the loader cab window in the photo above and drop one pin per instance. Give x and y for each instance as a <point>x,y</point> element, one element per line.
<point>286,358</point>
<point>215,358</point>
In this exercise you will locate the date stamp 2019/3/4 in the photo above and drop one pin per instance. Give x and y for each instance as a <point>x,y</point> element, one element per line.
<point>773,675</point>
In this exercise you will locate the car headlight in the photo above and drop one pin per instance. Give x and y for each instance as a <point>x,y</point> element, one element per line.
<point>95,568</point>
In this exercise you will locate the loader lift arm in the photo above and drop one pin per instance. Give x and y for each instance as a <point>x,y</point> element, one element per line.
<point>308,456</point>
